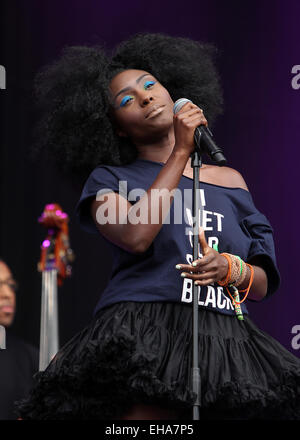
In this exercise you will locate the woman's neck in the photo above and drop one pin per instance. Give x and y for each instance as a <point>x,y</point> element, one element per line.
<point>157,151</point>
<point>160,151</point>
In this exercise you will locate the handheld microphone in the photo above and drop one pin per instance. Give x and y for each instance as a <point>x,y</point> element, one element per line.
<point>203,137</point>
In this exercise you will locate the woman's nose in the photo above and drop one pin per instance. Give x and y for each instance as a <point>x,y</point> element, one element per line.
<point>146,98</point>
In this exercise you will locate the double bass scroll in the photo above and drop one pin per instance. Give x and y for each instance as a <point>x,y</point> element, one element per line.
<point>54,264</point>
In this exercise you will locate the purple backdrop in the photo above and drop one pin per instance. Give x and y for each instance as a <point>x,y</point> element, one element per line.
<point>259,131</point>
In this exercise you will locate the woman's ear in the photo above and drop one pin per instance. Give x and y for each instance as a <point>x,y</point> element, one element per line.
<point>116,125</point>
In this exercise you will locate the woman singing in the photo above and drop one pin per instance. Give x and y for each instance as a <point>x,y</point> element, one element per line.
<point>109,118</point>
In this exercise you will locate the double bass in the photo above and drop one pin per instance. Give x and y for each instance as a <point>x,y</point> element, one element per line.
<point>55,265</point>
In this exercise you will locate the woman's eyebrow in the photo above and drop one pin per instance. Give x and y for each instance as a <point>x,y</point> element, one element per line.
<point>129,88</point>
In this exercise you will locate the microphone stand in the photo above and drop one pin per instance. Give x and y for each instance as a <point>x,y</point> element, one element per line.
<point>202,135</point>
<point>196,163</point>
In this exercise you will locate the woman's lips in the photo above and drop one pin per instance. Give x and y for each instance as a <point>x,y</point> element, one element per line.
<point>155,111</point>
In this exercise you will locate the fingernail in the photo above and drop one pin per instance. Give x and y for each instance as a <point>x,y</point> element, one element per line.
<point>178,266</point>
<point>183,274</point>
<point>194,264</point>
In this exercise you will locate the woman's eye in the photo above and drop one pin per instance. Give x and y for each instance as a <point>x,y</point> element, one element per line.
<point>128,98</point>
<point>148,84</point>
<point>125,100</point>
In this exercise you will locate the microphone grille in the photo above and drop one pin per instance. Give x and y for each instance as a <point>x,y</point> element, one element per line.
<point>179,104</point>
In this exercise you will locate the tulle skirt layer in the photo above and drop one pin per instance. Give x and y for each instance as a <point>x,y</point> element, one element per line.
<point>142,353</point>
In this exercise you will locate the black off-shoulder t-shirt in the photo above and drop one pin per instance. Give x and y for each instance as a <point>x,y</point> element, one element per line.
<point>228,216</point>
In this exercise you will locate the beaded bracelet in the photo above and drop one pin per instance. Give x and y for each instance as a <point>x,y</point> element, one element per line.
<point>236,274</point>
<point>237,270</point>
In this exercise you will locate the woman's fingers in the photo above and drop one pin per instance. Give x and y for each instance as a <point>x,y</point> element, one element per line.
<point>205,282</point>
<point>198,276</point>
<point>203,270</point>
<point>204,264</point>
<point>200,279</point>
<point>203,243</point>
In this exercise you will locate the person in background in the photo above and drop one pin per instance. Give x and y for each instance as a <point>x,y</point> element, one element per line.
<point>18,360</point>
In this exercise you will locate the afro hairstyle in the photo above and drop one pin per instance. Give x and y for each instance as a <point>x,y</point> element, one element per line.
<point>73,99</point>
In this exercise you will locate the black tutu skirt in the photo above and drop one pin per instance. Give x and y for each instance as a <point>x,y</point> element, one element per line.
<point>142,353</point>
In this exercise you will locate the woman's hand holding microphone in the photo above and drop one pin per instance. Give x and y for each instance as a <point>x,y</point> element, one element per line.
<point>186,120</point>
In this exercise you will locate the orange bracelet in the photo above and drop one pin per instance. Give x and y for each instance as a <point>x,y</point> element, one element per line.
<point>228,276</point>
<point>244,290</point>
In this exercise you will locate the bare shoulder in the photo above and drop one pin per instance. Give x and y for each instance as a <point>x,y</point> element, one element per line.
<point>225,176</point>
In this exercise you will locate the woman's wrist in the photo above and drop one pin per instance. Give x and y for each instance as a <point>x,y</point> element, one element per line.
<point>180,152</point>
<point>224,266</point>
